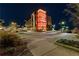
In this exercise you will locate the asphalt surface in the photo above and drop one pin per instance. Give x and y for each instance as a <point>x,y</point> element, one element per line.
<point>43,43</point>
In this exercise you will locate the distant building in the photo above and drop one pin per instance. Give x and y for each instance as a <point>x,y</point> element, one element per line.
<point>39,21</point>
<point>49,23</point>
<point>29,25</point>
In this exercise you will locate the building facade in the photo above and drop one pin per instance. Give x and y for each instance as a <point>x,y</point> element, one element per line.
<point>49,23</point>
<point>39,21</point>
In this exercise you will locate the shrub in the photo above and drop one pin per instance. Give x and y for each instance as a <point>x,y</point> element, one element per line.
<point>8,39</point>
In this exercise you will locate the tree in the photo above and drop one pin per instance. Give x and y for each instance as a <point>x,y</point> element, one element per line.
<point>1,24</point>
<point>73,10</point>
<point>13,27</point>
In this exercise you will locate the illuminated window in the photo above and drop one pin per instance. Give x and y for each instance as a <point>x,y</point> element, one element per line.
<point>41,20</point>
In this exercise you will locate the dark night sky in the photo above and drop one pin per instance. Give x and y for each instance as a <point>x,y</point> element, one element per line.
<point>18,12</point>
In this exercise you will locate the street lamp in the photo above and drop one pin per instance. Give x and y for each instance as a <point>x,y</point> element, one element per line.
<point>62,26</point>
<point>62,22</point>
<point>53,27</point>
<point>67,28</point>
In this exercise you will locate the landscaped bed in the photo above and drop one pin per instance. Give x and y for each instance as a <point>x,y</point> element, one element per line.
<point>71,44</point>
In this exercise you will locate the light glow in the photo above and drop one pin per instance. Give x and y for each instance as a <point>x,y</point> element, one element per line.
<point>41,21</point>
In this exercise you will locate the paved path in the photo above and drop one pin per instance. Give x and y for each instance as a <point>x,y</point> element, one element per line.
<point>43,43</point>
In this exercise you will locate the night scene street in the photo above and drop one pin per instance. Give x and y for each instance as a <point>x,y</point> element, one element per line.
<point>39,29</point>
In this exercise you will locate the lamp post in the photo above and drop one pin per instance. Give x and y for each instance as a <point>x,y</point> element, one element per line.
<point>67,28</point>
<point>62,26</point>
<point>53,27</point>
